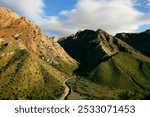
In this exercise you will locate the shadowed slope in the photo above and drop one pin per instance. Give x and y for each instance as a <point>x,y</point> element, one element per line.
<point>89,48</point>
<point>139,41</point>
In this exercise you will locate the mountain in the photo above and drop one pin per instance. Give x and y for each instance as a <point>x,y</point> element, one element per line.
<point>109,62</point>
<point>139,41</point>
<point>85,65</point>
<point>89,48</point>
<point>32,66</point>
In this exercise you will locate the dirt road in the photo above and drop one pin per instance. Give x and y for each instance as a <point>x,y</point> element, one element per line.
<point>67,89</point>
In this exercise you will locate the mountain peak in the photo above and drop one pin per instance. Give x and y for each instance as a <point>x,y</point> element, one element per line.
<point>88,43</point>
<point>100,30</point>
<point>7,13</point>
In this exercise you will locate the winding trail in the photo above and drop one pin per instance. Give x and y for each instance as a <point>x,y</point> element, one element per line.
<point>66,91</point>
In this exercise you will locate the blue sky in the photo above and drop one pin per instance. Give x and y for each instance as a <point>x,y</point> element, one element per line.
<point>53,7</point>
<point>63,17</point>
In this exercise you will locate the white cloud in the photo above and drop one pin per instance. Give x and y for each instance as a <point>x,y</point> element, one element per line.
<point>110,15</point>
<point>33,9</point>
<point>55,25</point>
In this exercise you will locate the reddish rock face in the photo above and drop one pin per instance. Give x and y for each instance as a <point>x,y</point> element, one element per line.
<point>16,29</point>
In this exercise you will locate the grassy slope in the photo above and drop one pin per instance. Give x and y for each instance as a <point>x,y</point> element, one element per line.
<point>123,71</point>
<point>25,76</point>
<point>83,89</point>
<point>121,77</point>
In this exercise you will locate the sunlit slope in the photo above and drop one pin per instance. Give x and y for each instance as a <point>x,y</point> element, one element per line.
<point>123,71</point>
<point>25,76</point>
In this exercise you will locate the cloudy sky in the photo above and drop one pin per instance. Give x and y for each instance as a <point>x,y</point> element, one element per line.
<point>63,17</point>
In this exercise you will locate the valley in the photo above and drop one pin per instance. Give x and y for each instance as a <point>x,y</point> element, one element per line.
<point>87,65</point>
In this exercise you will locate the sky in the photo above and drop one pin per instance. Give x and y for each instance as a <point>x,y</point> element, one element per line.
<point>64,17</point>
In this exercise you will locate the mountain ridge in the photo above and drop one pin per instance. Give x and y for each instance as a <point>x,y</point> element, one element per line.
<point>96,64</point>
<point>139,41</point>
<point>120,66</point>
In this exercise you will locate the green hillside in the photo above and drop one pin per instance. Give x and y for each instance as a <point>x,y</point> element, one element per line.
<point>24,76</point>
<point>123,71</point>
<point>83,89</point>
<point>121,77</point>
